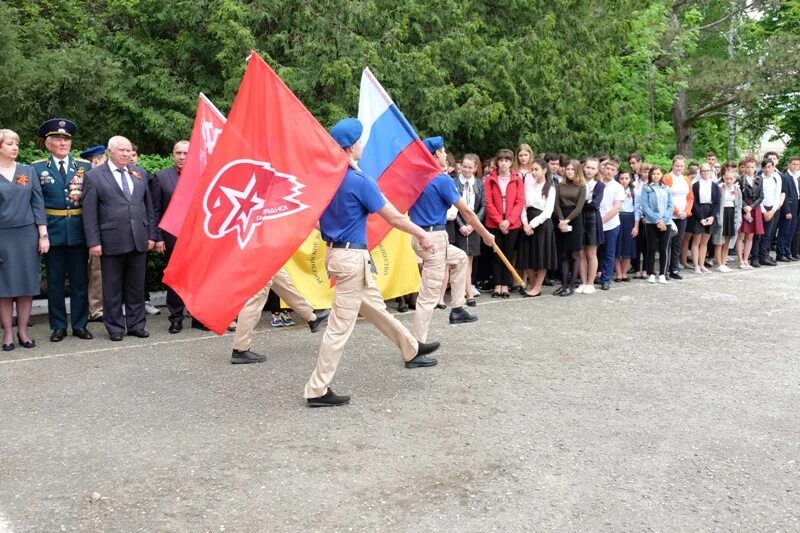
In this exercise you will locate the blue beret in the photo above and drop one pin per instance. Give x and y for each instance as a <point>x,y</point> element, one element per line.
<point>433,144</point>
<point>93,151</point>
<point>58,126</point>
<point>347,131</point>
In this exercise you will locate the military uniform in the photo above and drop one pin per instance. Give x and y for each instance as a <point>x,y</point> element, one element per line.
<point>68,255</point>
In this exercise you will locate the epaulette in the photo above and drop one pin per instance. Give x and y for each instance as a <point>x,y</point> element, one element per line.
<point>82,160</point>
<point>39,161</point>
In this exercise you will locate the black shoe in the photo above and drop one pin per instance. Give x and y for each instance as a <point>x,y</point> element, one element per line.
<point>175,326</point>
<point>559,291</point>
<point>795,258</point>
<point>471,302</point>
<point>115,337</point>
<point>755,264</point>
<point>58,335</point>
<point>26,344</point>
<point>421,361</point>
<point>8,347</point>
<point>568,291</point>
<point>441,306</point>
<point>142,334</point>
<point>606,285</point>
<point>239,357</point>
<point>328,400</point>
<point>459,316</point>
<point>82,333</point>
<point>548,282</point>
<point>322,316</point>
<point>675,275</point>
<point>402,308</point>
<point>767,262</point>
<point>783,259</point>
<point>196,324</point>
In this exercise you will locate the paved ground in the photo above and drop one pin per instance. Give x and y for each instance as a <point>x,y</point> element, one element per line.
<point>643,408</point>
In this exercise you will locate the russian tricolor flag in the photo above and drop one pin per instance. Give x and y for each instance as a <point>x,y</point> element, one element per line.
<point>393,153</point>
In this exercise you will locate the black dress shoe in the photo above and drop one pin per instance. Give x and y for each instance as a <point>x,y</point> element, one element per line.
<point>175,326</point>
<point>402,308</point>
<point>606,285</point>
<point>795,258</point>
<point>783,259</point>
<point>239,357</point>
<point>459,316</point>
<point>329,399</point>
<point>767,262</point>
<point>421,361</point>
<point>8,347</point>
<point>548,282</point>
<point>569,291</point>
<point>58,335</point>
<point>115,337</point>
<point>82,333</point>
<point>196,324</point>
<point>425,348</point>
<point>559,291</point>
<point>755,264</point>
<point>142,334</point>
<point>26,344</point>
<point>322,316</point>
<point>675,275</point>
<point>471,302</point>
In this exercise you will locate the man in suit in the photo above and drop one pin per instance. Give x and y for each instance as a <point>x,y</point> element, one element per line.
<point>61,178</point>
<point>120,229</point>
<point>789,211</point>
<point>163,186</point>
<point>96,155</point>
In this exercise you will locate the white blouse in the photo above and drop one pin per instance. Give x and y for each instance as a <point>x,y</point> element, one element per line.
<point>534,198</point>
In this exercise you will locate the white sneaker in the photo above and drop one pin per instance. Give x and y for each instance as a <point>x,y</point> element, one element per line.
<point>151,309</point>
<point>475,291</point>
<point>724,269</point>
<point>662,279</point>
<point>651,278</point>
<point>588,289</point>
<point>580,289</point>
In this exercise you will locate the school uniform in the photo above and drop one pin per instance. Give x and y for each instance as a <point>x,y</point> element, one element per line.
<point>787,227</point>
<point>628,219</point>
<point>538,251</point>
<point>772,186</point>
<point>706,204</point>
<point>505,200</point>
<point>592,223</point>
<point>613,193</point>
<point>682,201</point>
<point>729,214</point>
<point>472,192</point>
<point>656,206</point>
<point>570,200</point>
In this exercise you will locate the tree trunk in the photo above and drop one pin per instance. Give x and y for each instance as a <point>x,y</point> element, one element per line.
<point>681,125</point>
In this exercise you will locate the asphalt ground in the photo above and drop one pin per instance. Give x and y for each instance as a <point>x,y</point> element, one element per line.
<point>643,408</point>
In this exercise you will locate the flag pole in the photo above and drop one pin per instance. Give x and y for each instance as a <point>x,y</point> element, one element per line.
<point>510,268</point>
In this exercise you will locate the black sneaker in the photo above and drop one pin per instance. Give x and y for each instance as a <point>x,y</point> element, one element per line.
<point>675,275</point>
<point>240,357</point>
<point>329,399</point>
<point>322,316</point>
<point>459,316</point>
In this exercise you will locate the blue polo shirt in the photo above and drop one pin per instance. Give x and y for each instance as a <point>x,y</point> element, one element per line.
<point>345,218</point>
<point>431,207</point>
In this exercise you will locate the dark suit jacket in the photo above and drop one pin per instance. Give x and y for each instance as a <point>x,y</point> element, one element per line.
<point>163,185</point>
<point>752,196</point>
<point>111,220</point>
<point>715,200</point>
<point>479,205</point>
<point>789,188</point>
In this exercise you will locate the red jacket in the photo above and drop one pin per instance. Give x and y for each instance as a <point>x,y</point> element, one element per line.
<point>515,201</point>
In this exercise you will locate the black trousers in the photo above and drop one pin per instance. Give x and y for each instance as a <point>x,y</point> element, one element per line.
<point>675,245</point>
<point>656,240</point>
<point>507,242</point>
<point>123,281</point>
<point>175,304</point>
<point>63,262</point>
<point>770,230</point>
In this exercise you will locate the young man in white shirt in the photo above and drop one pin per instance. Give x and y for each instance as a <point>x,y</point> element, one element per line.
<point>613,196</point>
<point>770,207</point>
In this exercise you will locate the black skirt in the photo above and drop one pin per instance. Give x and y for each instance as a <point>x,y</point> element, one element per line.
<point>728,222</point>
<point>705,212</point>
<point>626,243</point>
<point>471,244</point>
<point>538,251</point>
<point>571,241</point>
<point>592,228</point>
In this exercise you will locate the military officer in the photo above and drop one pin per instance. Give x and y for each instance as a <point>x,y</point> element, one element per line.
<point>96,155</point>
<point>61,177</point>
<point>344,227</point>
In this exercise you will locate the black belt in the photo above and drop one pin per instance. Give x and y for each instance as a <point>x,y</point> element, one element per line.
<point>439,227</point>
<point>347,245</point>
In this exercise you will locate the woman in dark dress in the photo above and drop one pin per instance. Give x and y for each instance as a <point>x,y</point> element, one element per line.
<point>23,236</point>
<point>570,197</point>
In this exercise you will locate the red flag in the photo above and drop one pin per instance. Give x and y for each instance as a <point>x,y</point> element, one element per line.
<point>208,124</point>
<point>273,171</point>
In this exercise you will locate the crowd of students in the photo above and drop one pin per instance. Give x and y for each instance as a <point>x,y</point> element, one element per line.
<point>593,221</point>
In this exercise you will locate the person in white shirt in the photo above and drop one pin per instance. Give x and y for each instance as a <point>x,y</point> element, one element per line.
<point>789,211</point>
<point>537,253</point>
<point>613,196</point>
<point>770,207</point>
<point>682,200</point>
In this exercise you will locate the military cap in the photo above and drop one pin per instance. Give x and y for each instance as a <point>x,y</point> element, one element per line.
<point>347,131</point>
<point>58,126</point>
<point>433,144</point>
<point>93,151</point>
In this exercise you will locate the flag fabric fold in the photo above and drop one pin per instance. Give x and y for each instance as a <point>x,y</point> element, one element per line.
<point>273,171</point>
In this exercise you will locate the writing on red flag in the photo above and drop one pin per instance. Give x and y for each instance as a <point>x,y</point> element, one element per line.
<point>208,124</point>
<point>271,175</point>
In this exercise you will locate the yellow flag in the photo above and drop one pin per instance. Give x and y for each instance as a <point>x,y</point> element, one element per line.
<point>394,259</point>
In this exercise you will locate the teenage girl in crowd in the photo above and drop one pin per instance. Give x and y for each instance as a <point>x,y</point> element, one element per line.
<point>704,214</point>
<point>682,201</point>
<point>537,251</point>
<point>504,203</point>
<point>629,228</point>
<point>657,211</point>
<point>729,215</point>
<point>592,226</point>
<point>752,219</point>
<point>471,190</point>
<point>640,181</point>
<point>570,198</point>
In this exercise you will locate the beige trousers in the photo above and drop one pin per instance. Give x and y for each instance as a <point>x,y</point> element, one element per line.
<point>95,288</point>
<point>355,292</point>
<point>250,314</point>
<point>433,266</point>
